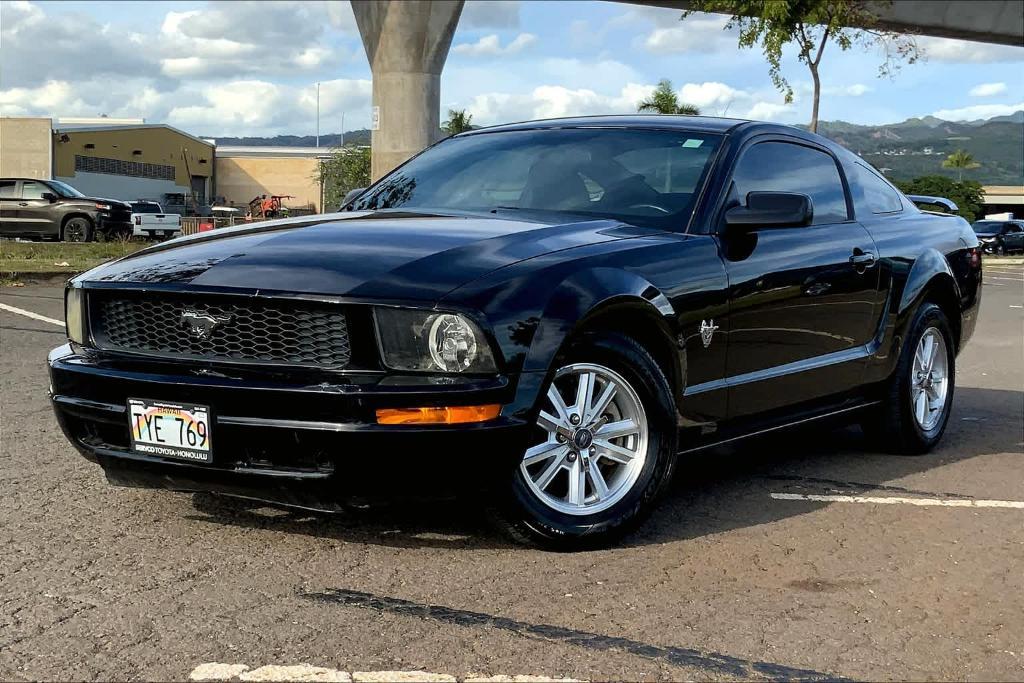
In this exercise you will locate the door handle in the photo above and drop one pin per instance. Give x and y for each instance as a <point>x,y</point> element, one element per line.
<point>22,203</point>
<point>862,260</point>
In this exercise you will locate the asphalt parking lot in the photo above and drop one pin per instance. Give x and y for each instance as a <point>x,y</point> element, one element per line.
<point>902,568</point>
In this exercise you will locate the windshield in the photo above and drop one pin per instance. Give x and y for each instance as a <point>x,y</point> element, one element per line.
<point>145,207</point>
<point>642,177</point>
<point>63,189</point>
<point>985,228</point>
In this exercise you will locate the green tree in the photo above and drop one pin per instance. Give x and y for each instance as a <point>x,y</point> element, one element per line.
<point>458,122</point>
<point>664,101</point>
<point>969,196</point>
<point>810,25</point>
<point>346,169</point>
<point>961,161</point>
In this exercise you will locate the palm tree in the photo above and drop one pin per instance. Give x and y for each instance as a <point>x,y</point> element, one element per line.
<point>458,122</point>
<point>960,160</point>
<point>664,101</point>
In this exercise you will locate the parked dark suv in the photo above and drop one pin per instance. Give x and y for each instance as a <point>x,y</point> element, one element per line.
<point>1000,237</point>
<point>54,210</point>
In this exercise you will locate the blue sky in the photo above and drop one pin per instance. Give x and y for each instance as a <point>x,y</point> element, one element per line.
<point>237,68</point>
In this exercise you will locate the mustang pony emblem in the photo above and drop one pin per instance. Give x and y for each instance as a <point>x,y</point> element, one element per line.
<point>707,330</point>
<point>200,325</point>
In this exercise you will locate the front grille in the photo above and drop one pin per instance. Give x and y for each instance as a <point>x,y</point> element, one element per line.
<point>229,329</point>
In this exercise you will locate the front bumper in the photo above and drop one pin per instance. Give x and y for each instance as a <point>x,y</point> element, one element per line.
<point>112,225</point>
<point>289,440</point>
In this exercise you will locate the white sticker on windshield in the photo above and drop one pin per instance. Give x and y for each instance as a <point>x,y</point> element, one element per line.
<point>693,143</point>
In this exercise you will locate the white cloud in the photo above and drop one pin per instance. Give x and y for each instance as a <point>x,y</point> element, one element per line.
<point>552,101</point>
<point>987,90</point>
<point>490,46</point>
<point>710,94</point>
<point>978,111</point>
<point>962,51</point>
<point>698,33</point>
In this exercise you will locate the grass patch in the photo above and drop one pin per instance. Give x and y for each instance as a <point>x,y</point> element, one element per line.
<point>60,257</point>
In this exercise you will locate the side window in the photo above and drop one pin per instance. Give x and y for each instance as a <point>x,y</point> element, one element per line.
<point>33,190</point>
<point>7,189</point>
<point>879,196</point>
<point>788,167</point>
<point>1014,228</point>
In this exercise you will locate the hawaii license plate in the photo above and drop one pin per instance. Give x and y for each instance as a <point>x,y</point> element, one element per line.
<point>170,430</point>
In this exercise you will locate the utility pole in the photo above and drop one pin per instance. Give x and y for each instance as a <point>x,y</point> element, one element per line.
<point>318,113</point>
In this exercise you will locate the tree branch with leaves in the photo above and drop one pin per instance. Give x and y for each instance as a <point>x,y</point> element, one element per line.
<point>810,25</point>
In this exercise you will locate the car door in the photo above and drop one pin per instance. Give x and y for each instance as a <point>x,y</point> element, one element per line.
<point>801,298</point>
<point>9,198</point>
<point>1013,236</point>
<point>35,214</point>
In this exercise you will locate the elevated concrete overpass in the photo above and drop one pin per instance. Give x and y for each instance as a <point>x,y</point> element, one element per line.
<point>407,43</point>
<point>985,21</point>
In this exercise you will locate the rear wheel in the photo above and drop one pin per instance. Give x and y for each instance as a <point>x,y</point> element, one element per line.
<point>918,398</point>
<point>604,449</point>
<point>77,229</point>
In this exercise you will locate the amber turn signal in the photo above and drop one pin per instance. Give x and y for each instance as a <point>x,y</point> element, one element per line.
<point>437,416</point>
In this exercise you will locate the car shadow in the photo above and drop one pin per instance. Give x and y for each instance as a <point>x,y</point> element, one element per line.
<point>714,491</point>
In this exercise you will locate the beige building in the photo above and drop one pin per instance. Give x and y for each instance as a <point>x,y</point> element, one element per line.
<point>25,147</point>
<point>244,173</point>
<point>135,161</point>
<point>1002,199</point>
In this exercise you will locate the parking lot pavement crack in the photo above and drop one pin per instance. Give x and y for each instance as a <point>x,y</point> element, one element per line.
<point>710,663</point>
<point>860,487</point>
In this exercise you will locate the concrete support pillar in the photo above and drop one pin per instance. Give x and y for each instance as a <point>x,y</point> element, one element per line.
<point>407,44</point>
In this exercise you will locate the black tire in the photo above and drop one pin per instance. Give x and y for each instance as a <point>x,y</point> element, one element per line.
<point>893,426</point>
<point>1000,249</point>
<point>77,229</point>
<point>523,516</point>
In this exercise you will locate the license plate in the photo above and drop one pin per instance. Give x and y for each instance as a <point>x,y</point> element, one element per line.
<point>170,430</point>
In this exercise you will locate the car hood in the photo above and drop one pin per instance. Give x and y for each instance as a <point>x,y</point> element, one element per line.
<point>102,200</point>
<point>383,256</point>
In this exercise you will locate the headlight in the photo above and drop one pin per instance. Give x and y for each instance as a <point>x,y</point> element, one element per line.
<point>103,207</point>
<point>74,314</point>
<point>427,341</point>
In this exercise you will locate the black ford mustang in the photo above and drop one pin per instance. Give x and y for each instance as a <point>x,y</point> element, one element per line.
<point>551,313</point>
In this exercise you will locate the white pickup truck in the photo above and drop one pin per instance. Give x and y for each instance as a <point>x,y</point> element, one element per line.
<point>149,220</point>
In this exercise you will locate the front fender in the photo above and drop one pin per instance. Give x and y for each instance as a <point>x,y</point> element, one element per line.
<point>585,294</point>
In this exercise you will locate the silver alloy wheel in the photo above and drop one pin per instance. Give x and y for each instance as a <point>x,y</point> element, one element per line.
<point>596,445</point>
<point>929,380</point>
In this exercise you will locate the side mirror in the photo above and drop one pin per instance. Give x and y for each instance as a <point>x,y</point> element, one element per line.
<point>50,197</point>
<point>771,210</point>
<point>351,196</point>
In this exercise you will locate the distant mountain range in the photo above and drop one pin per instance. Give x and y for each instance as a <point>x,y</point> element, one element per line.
<point>902,151</point>
<point>917,146</point>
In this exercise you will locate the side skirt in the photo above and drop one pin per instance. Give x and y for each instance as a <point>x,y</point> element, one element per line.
<point>785,425</point>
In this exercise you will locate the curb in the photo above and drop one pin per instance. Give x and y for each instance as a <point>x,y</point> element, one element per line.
<point>33,277</point>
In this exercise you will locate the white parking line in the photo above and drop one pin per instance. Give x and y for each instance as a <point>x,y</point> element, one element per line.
<point>892,500</point>
<point>30,314</point>
<point>1006,279</point>
<point>215,671</point>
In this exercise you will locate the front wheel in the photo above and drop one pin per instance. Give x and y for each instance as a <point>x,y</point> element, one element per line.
<point>604,448</point>
<point>919,395</point>
<point>78,230</point>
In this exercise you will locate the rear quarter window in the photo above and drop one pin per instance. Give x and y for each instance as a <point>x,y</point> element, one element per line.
<point>876,195</point>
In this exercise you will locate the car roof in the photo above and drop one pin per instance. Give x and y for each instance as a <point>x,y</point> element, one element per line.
<point>709,124</point>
